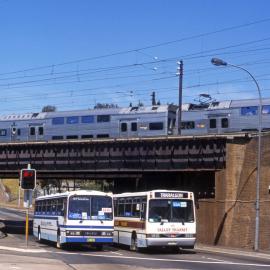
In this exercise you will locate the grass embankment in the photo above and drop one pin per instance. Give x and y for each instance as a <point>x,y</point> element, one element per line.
<point>12,188</point>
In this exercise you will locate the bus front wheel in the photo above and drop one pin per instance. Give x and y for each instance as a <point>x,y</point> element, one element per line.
<point>58,242</point>
<point>39,235</point>
<point>134,242</point>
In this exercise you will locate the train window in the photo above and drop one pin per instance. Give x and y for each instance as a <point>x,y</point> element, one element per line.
<point>156,126</point>
<point>134,126</point>
<point>103,118</point>
<point>224,122</point>
<point>103,136</point>
<point>19,132</point>
<point>58,121</point>
<point>3,132</point>
<point>188,125</point>
<point>73,120</point>
<point>71,137</point>
<point>246,111</point>
<point>266,109</point>
<point>87,136</point>
<point>88,119</point>
<point>40,131</point>
<point>57,137</point>
<point>213,123</point>
<point>32,131</point>
<point>123,127</point>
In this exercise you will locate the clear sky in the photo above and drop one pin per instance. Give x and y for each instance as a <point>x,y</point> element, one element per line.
<point>75,53</point>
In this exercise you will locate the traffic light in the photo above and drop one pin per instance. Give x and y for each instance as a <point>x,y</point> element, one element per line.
<point>28,179</point>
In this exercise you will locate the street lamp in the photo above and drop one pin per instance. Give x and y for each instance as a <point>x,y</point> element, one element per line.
<point>220,62</point>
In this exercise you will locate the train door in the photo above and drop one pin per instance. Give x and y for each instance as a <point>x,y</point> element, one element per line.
<point>218,124</point>
<point>15,132</point>
<point>128,128</point>
<point>36,132</point>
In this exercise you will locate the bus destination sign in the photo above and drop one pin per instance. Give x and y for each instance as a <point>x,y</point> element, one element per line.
<point>171,195</point>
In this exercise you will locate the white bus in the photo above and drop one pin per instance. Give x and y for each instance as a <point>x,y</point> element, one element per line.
<point>164,218</point>
<point>74,217</point>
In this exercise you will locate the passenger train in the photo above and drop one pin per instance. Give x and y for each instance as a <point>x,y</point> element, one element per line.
<point>142,121</point>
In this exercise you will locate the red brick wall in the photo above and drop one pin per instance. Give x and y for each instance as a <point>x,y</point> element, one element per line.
<point>229,219</point>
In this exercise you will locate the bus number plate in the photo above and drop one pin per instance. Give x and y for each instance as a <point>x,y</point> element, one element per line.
<point>91,240</point>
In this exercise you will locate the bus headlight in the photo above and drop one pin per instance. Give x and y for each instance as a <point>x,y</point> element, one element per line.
<point>152,235</point>
<point>73,233</point>
<point>107,234</point>
<point>190,235</point>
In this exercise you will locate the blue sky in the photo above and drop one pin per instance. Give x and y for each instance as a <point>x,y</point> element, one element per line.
<point>50,51</point>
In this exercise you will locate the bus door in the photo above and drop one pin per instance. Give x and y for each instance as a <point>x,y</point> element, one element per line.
<point>128,128</point>
<point>36,132</point>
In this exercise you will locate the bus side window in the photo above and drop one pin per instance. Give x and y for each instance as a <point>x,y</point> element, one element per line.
<point>143,210</point>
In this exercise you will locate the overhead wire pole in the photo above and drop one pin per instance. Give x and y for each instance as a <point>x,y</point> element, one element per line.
<point>220,62</point>
<point>180,94</point>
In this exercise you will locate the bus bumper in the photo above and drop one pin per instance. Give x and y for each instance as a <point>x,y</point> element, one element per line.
<point>170,242</point>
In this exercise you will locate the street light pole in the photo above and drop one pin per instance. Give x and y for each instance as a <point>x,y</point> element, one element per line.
<point>219,62</point>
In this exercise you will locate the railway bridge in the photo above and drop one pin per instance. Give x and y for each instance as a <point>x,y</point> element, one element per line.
<point>221,170</point>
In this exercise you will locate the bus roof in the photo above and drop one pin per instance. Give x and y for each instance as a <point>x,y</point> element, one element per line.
<point>141,193</point>
<point>76,192</point>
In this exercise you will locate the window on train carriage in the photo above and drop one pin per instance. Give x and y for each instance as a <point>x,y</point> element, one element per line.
<point>73,120</point>
<point>134,126</point>
<point>266,109</point>
<point>3,132</point>
<point>58,121</point>
<point>87,136</point>
<point>32,131</point>
<point>87,119</point>
<point>156,126</point>
<point>248,111</point>
<point>213,123</point>
<point>57,137</point>
<point>103,135</point>
<point>19,132</point>
<point>224,122</point>
<point>68,137</point>
<point>103,118</point>
<point>123,127</point>
<point>187,125</point>
<point>40,131</point>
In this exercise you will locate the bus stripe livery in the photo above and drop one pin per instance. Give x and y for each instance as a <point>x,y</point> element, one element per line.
<point>75,217</point>
<point>164,218</point>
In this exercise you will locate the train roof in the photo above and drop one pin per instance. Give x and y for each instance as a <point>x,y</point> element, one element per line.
<point>110,111</point>
<point>225,104</point>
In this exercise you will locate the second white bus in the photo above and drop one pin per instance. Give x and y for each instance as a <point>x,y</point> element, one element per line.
<point>157,218</point>
<point>74,217</point>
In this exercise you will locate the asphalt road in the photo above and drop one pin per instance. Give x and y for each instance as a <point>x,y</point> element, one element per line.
<point>113,258</point>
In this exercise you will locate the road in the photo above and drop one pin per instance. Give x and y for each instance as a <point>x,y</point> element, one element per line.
<point>14,255</point>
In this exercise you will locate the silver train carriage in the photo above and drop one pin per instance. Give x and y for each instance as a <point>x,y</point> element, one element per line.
<point>149,121</point>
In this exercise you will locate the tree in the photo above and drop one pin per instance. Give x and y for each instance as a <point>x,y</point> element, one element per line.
<point>49,108</point>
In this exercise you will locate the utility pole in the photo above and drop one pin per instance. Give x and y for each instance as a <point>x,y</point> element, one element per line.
<point>180,94</point>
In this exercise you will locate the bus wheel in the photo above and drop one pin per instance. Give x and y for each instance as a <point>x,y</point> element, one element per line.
<point>58,243</point>
<point>134,242</point>
<point>39,235</point>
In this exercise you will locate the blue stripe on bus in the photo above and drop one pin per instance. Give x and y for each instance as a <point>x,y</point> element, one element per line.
<point>87,240</point>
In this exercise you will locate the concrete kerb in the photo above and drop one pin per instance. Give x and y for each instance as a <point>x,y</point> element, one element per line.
<point>230,251</point>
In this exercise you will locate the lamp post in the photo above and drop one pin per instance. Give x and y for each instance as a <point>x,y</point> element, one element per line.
<point>220,62</point>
